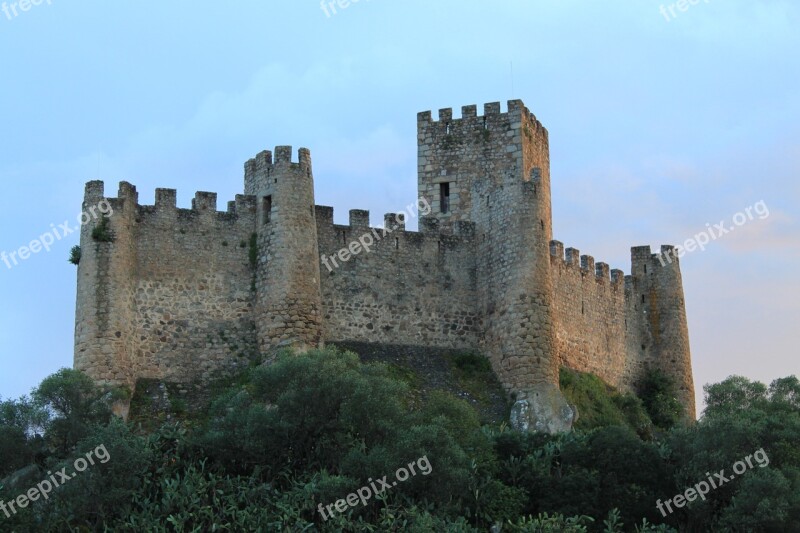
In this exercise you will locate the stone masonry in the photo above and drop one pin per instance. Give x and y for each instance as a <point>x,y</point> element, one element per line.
<point>189,294</point>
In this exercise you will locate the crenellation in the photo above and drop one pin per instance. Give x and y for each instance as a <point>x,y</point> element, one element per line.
<point>324,214</point>
<point>187,294</point>
<point>94,192</point>
<point>359,218</point>
<point>602,272</point>
<point>491,109</point>
<point>394,221</point>
<point>283,155</point>
<point>573,257</point>
<point>587,264</point>
<point>204,201</point>
<point>263,159</point>
<point>557,249</point>
<point>128,192</point>
<point>166,199</point>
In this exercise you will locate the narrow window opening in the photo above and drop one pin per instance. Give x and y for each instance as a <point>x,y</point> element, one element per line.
<point>447,129</point>
<point>485,124</point>
<point>344,237</point>
<point>583,308</point>
<point>645,269</point>
<point>542,223</point>
<point>276,180</point>
<point>444,197</point>
<point>440,246</point>
<point>643,347</point>
<point>396,243</point>
<point>267,205</point>
<point>642,298</point>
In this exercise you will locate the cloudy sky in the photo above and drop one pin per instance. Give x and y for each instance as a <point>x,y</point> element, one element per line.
<point>659,125</point>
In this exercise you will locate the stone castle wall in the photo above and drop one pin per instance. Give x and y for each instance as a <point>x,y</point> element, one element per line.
<point>185,294</point>
<point>590,316</point>
<point>413,288</point>
<point>185,286</point>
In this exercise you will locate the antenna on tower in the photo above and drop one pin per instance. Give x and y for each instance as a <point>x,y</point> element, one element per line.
<point>512,78</point>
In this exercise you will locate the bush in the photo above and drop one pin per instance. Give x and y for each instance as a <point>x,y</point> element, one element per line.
<point>600,405</point>
<point>659,394</point>
<point>325,411</point>
<point>75,255</point>
<point>101,232</point>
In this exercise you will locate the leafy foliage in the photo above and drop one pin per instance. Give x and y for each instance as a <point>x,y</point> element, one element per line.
<point>659,396</point>
<point>74,404</point>
<point>600,405</point>
<point>280,440</point>
<point>101,232</point>
<point>75,255</point>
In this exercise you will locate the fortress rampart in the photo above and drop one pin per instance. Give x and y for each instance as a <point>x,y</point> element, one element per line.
<point>188,294</point>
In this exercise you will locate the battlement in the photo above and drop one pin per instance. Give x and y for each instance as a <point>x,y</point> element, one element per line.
<point>283,158</point>
<point>644,261</point>
<point>572,258</point>
<point>395,224</point>
<point>204,204</point>
<point>492,115</point>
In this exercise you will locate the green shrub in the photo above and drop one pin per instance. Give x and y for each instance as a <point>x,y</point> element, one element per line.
<point>101,232</point>
<point>75,255</point>
<point>600,405</point>
<point>659,394</point>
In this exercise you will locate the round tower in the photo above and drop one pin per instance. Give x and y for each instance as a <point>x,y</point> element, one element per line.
<point>661,332</point>
<point>284,250</point>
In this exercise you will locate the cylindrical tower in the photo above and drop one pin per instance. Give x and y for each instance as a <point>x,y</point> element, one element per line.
<point>656,291</point>
<point>288,302</point>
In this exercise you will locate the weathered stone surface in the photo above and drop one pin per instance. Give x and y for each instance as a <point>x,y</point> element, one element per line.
<point>543,409</point>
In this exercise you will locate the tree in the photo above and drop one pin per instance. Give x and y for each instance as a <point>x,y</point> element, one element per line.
<point>74,404</point>
<point>21,427</point>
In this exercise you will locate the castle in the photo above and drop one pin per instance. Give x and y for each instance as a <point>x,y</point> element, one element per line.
<point>187,294</point>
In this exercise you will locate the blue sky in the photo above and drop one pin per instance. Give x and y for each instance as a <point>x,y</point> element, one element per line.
<point>657,128</point>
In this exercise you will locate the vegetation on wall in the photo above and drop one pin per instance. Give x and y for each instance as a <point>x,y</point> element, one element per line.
<point>101,232</point>
<point>75,255</point>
